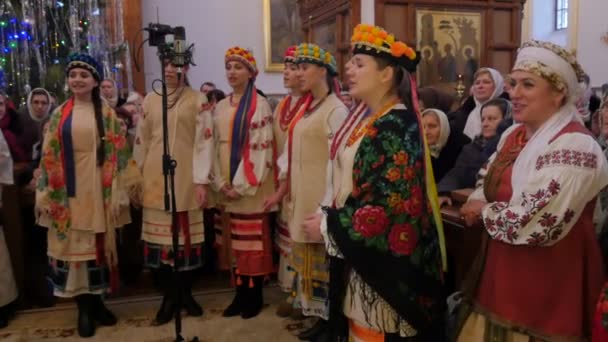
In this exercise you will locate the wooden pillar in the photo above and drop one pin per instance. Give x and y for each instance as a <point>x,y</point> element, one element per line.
<point>132,21</point>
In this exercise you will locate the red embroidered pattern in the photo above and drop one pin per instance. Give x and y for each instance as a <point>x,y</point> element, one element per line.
<point>567,157</point>
<point>262,123</point>
<point>262,146</point>
<point>505,227</point>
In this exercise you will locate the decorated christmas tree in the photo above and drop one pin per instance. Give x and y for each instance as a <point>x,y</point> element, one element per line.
<point>37,36</point>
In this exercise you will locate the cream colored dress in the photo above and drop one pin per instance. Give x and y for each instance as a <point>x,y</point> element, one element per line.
<point>190,145</point>
<point>86,207</point>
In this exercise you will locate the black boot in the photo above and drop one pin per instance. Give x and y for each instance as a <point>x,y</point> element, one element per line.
<point>86,322</point>
<point>236,307</point>
<point>167,309</point>
<point>3,317</point>
<point>101,313</point>
<point>254,298</point>
<point>188,302</point>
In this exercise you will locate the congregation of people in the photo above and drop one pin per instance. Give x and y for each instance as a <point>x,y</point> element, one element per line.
<point>335,192</point>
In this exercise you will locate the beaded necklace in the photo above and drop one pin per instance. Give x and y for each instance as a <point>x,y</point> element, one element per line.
<point>359,113</point>
<point>363,126</point>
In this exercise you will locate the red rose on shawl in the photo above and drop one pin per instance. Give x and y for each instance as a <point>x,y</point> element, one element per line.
<point>401,158</point>
<point>415,203</point>
<point>119,142</point>
<point>107,176</point>
<point>59,213</point>
<point>402,239</point>
<point>409,173</point>
<point>56,180</point>
<point>370,221</point>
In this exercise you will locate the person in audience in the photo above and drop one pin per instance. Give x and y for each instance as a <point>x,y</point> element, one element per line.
<point>243,177</point>
<point>85,177</point>
<point>444,144</point>
<point>37,108</point>
<point>8,287</point>
<point>284,114</point>
<point>385,219</point>
<point>429,97</point>
<point>536,204</point>
<point>303,175</point>
<point>12,127</point>
<point>215,96</point>
<point>109,92</point>
<point>495,118</point>
<point>207,87</point>
<point>190,136</point>
<point>488,85</point>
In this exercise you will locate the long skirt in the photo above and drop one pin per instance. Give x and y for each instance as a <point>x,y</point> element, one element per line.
<point>311,282</point>
<point>8,287</point>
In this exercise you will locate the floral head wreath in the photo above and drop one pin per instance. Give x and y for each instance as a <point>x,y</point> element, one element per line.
<point>244,56</point>
<point>87,62</point>
<point>290,54</point>
<point>312,53</point>
<point>376,42</point>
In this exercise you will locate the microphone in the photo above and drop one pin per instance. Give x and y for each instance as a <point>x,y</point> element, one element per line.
<point>179,49</point>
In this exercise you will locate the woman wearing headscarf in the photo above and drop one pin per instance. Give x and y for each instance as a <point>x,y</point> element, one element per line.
<point>488,85</point>
<point>444,144</point>
<point>109,92</point>
<point>86,180</point>
<point>384,219</point>
<point>540,268</point>
<point>244,176</point>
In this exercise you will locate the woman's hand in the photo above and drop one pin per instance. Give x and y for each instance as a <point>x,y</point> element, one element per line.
<point>312,227</point>
<point>229,192</point>
<point>271,201</point>
<point>471,211</point>
<point>200,190</point>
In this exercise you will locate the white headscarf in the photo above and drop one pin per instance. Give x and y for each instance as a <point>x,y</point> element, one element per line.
<point>444,131</point>
<point>473,126</point>
<point>561,69</point>
<point>112,101</point>
<point>29,104</point>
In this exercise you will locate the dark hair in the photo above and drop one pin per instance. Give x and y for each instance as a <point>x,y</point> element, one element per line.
<point>38,92</point>
<point>216,95</point>
<point>401,81</point>
<point>124,115</point>
<point>502,104</point>
<point>435,98</point>
<point>211,84</point>
<point>97,106</point>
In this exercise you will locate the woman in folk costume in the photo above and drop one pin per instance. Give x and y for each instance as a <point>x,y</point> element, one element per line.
<point>304,171</point>
<point>244,177</point>
<point>83,193</point>
<point>8,287</point>
<point>190,138</point>
<point>540,270</point>
<point>384,219</point>
<point>283,116</point>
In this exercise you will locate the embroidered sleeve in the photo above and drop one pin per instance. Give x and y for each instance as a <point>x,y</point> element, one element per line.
<point>335,120</point>
<point>142,136</point>
<point>261,145</point>
<point>204,145</point>
<point>217,179</point>
<point>564,180</point>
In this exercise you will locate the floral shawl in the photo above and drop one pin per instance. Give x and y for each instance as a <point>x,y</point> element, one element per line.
<point>120,176</point>
<point>387,230</point>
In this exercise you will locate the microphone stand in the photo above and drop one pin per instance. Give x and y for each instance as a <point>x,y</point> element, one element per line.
<point>169,165</point>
